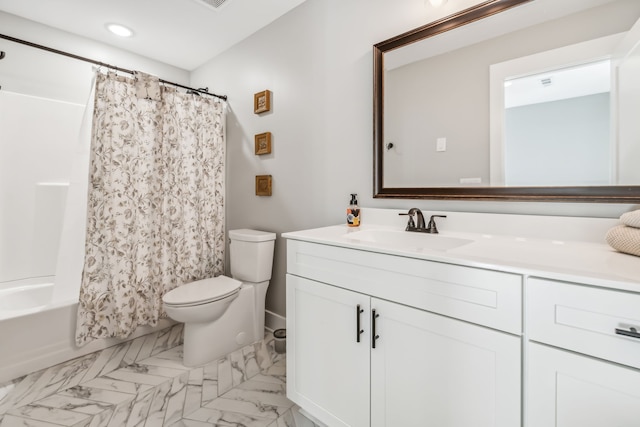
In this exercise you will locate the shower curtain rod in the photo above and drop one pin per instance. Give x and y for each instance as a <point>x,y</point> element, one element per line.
<point>204,91</point>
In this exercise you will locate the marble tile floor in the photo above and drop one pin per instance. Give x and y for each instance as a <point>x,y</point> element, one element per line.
<point>143,383</point>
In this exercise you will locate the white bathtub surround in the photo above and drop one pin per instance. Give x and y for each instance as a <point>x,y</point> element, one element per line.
<point>42,179</point>
<point>164,204</point>
<point>144,383</point>
<point>35,175</point>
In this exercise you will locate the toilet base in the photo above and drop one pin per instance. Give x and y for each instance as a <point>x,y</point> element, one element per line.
<point>209,341</point>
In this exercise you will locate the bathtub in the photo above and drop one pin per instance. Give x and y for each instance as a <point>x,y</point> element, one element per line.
<point>25,296</point>
<point>37,328</point>
<point>43,234</point>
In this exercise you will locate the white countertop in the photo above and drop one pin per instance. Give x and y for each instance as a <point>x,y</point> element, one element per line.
<point>584,262</point>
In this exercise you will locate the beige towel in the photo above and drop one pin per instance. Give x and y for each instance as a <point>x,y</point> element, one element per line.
<point>624,239</point>
<point>632,219</point>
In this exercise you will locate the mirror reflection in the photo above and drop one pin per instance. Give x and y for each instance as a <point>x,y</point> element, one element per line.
<point>540,95</point>
<point>561,111</point>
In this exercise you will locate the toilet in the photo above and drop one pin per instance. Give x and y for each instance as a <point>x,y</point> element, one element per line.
<point>223,314</point>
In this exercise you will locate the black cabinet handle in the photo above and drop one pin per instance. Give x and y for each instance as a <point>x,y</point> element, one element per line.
<point>374,335</point>
<point>632,332</point>
<point>359,330</point>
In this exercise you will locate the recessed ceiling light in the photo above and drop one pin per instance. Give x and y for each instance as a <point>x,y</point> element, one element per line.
<point>119,30</point>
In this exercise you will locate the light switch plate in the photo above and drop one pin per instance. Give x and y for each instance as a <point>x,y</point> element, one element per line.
<point>441,144</point>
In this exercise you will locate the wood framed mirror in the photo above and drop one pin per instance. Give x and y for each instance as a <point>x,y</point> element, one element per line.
<point>417,156</point>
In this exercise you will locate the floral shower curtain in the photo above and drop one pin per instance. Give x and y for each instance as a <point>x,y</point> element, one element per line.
<point>155,216</point>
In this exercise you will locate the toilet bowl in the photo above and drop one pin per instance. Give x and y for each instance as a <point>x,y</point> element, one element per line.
<point>223,314</point>
<point>202,301</point>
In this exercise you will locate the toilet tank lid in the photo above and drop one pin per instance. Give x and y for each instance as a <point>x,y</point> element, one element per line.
<point>247,235</point>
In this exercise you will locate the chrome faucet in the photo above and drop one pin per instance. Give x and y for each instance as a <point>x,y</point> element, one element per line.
<point>419,224</point>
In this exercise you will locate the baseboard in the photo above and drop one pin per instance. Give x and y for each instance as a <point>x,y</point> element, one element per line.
<point>273,321</point>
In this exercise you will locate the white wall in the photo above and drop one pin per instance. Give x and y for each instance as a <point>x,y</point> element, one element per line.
<point>317,61</point>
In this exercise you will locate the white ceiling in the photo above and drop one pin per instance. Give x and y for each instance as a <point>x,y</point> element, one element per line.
<point>182,33</point>
<point>564,83</point>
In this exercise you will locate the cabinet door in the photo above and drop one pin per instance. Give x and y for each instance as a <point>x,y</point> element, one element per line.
<point>327,368</point>
<point>430,370</point>
<point>570,390</point>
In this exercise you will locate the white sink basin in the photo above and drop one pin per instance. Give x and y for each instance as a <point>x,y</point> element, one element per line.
<point>406,240</point>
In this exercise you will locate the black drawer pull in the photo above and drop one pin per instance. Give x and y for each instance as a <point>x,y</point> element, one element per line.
<point>359,330</point>
<point>374,336</point>
<point>632,332</point>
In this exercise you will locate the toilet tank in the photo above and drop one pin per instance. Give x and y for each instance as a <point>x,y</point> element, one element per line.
<point>251,254</point>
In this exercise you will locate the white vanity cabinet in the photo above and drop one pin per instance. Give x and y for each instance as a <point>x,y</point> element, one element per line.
<point>327,368</point>
<point>582,368</point>
<point>530,322</point>
<point>376,340</point>
<point>428,369</point>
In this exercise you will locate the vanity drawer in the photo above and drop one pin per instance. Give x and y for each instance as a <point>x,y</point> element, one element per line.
<point>485,297</point>
<point>584,319</point>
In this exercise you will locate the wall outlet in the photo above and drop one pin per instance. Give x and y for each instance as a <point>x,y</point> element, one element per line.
<point>441,144</point>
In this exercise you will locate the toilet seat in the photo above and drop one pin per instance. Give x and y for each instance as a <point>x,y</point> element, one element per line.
<point>202,291</point>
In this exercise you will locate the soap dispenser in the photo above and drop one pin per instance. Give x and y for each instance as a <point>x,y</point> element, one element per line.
<point>353,212</point>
